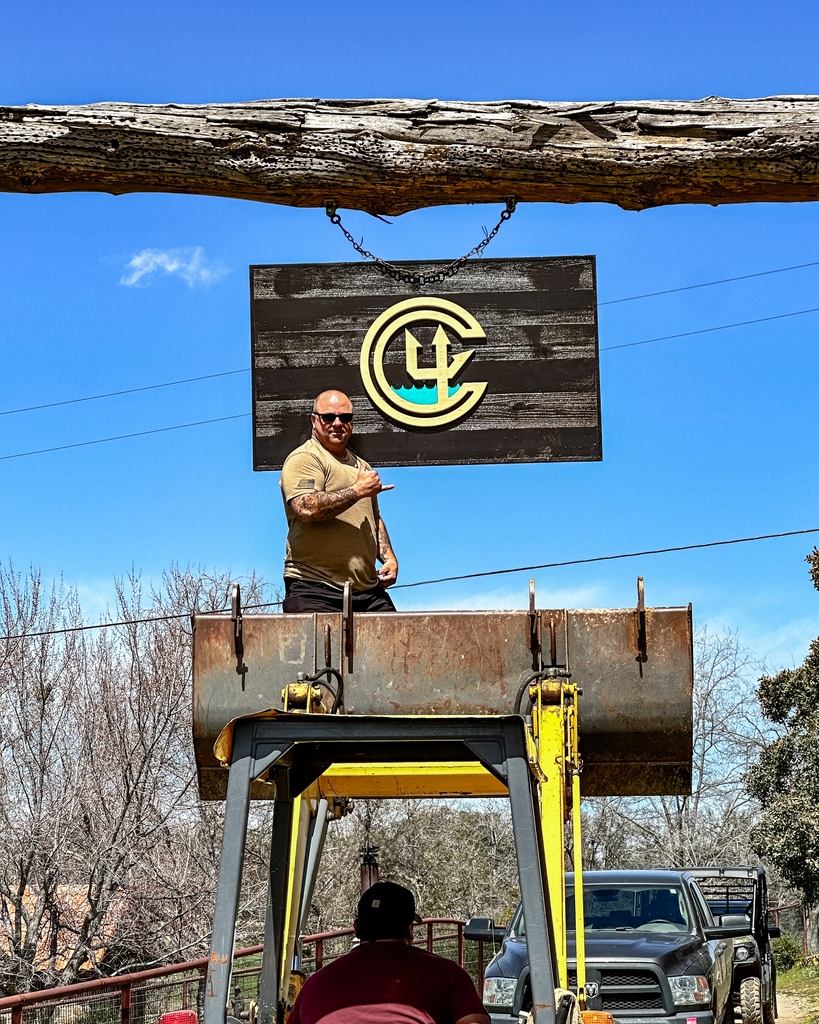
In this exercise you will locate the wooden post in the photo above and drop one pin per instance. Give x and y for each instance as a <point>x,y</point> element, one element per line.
<point>391,156</point>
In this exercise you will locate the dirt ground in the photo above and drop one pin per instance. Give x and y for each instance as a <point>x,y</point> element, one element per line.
<point>793,1009</point>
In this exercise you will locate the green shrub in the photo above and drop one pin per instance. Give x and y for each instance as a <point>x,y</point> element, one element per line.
<point>787,951</point>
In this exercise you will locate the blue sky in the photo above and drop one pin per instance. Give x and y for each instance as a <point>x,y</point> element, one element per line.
<point>705,438</point>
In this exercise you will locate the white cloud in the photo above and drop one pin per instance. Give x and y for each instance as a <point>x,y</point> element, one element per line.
<point>97,598</point>
<point>776,645</point>
<point>191,264</point>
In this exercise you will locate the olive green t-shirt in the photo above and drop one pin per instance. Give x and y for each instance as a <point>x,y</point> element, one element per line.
<point>340,549</point>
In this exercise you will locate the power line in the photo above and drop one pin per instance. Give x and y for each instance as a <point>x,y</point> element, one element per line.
<point>443,579</point>
<point>123,437</point>
<point>606,558</point>
<point>708,284</point>
<point>607,302</point>
<point>222,419</point>
<point>126,622</point>
<point>709,330</point>
<point>126,391</point>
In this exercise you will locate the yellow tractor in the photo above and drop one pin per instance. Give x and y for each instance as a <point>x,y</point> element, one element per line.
<point>540,706</point>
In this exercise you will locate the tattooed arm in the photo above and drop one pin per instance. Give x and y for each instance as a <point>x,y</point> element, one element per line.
<point>388,573</point>
<point>319,506</point>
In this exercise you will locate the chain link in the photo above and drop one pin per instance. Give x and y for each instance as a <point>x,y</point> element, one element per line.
<point>404,276</point>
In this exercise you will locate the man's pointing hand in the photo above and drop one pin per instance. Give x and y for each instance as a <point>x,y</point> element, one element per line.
<point>368,483</point>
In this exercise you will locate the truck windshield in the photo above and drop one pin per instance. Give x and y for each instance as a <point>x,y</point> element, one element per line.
<point>625,908</point>
<point>631,908</point>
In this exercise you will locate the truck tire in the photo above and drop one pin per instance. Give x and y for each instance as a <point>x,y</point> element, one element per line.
<point>750,1001</point>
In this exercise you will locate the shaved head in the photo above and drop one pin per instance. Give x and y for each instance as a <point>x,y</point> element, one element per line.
<point>330,431</point>
<point>332,401</point>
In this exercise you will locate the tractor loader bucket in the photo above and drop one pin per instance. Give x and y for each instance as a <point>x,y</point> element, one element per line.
<point>634,668</point>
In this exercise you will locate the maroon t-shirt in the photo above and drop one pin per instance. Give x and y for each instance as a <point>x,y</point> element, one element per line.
<point>387,983</point>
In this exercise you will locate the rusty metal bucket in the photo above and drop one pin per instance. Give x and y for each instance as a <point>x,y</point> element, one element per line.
<point>635,667</point>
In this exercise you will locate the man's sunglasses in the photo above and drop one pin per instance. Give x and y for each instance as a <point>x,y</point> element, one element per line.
<point>331,417</point>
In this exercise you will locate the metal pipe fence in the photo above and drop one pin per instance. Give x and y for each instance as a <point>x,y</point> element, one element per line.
<point>793,918</point>
<point>142,998</point>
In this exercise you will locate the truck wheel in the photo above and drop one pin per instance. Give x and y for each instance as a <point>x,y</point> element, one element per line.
<point>750,1001</point>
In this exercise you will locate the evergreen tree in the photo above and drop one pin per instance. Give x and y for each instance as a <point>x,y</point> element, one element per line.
<point>785,780</point>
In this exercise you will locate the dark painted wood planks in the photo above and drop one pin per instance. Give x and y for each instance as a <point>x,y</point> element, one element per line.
<point>539,360</point>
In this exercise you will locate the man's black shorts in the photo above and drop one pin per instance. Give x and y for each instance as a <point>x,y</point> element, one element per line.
<point>306,596</point>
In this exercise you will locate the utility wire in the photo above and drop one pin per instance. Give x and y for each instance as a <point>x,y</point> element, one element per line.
<point>222,419</point>
<point>708,284</point>
<point>122,437</point>
<point>709,330</point>
<point>444,579</point>
<point>129,622</point>
<point>126,391</point>
<point>606,558</point>
<point>607,302</point>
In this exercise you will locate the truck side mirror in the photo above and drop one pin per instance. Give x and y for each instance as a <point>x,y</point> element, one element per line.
<point>736,921</point>
<point>482,929</point>
<point>774,931</point>
<point>733,926</point>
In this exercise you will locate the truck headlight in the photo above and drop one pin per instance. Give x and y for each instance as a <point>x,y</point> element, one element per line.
<point>742,953</point>
<point>499,992</point>
<point>690,990</point>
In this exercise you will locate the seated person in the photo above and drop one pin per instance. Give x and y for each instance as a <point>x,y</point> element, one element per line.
<point>387,980</point>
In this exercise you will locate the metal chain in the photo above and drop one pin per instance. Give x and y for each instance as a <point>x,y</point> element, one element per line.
<point>404,276</point>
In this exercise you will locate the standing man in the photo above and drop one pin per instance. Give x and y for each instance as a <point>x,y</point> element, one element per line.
<point>385,979</point>
<point>336,532</point>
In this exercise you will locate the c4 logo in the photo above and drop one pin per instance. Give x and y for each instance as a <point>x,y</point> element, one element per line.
<point>445,402</point>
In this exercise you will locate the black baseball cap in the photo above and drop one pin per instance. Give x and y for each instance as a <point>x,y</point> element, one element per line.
<point>387,908</point>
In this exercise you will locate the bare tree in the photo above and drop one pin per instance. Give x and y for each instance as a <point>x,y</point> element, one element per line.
<point>458,858</point>
<point>713,824</point>
<point>107,858</point>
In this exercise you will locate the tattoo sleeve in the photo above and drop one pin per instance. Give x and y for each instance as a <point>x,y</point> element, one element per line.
<point>385,550</point>
<point>319,506</point>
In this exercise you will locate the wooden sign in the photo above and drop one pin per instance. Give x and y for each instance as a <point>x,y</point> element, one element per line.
<point>496,364</point>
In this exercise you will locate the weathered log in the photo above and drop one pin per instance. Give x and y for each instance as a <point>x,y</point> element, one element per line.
<point>390,156</point>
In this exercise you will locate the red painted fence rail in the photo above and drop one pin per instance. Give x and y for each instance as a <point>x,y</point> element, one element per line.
<point>143,997</point>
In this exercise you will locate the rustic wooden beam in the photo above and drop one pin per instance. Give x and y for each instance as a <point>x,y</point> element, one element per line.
<point>390,156</point>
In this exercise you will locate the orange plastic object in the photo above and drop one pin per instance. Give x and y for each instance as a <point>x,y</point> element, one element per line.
<point>594,1017</point>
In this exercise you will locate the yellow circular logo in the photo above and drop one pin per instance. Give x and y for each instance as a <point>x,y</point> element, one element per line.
<point>434,397</point>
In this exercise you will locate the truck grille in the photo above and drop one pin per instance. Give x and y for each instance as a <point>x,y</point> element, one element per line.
<point>627,978</point>
<point>612,1001</point>
<point>626,989</point>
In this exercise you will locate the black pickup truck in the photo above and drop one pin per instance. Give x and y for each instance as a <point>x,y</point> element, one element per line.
<point>654,953</point>
<point>740,894</point>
